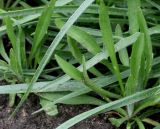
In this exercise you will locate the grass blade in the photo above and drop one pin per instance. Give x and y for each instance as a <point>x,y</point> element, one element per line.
<point>100,56</point>
<point>10,32</point>
<point>82,37</point>
<point>112,105</point>
<point>69,69</point>
<point>51,49</point>
<point>132,84</point>
<point>78,55</point>
<point>41,28</point>
<point>3,52</point>
<point>148,53</point>
<point>132,15</point>
<point>123,54</point>
<point>62,2</point>
<point>108,40</point>
<point>140,124</point>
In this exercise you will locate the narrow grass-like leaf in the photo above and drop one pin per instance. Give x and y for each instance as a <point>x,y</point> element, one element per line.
<point>132,84</point>
<point>154,30</point>
<point>3,52</point>
<point>129,126</point>
<point>16,2</point>
<point>69,68</point>
<point>51,49</point>
<point>51,98</point>
<point>74,49</point>
<point>154,4</point>
<point>63,9</point>
<point>100,56</point>
<point>21,37</point>
<point>150,121</point>
<point>47,101</point>
<point>4,66</point>
<point>112,105</point>
<point>41,28</point>
<point>16,51</point>
<point>10,32</point>
<point>146,103</point>
<point>83,99</point>
<point>84,90</point>
<point>20,21</point>
<point>140,124</point>
<point>49,110</point>
<point>62,2</point>
<point>104,94</point>
<point>82,37</point>
<point>148,54</point>
<point>78,55</point>
<point>71,85</point>
<point>14,63</point>
<point>106,30</point>
<point>11,98</point>
<point>117,122</point>
<point>132,15</point>
<point>123,54</point>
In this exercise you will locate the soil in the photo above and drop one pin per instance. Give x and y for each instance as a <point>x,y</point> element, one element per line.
<point>24,119</point>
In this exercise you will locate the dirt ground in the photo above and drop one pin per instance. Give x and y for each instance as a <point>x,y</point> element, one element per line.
<point>24,119</point>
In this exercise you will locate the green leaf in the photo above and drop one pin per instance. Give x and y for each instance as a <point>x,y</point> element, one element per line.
<point>86,40</point>
<point>41,28</point>
<point>154,4</point>
<point>82,99</point>
<point>16,52</point>
<point>112,105</point>
<point>3,52</point>
<point>132,84</point>
<point>10,32</point>
<point>71,85</point>
<point>83,89</point>
<point>14,62</point>
<point>103,93</point>
<point>132,15</point>
<point>69,68</point>
<point>117,122</point>
<point>78,55</point>
<point>62,2</point>
<point>129,126</point>
<point>148,53</point>
<point>146,103</point>
<point>106,30</point>
<point>154,30</point>
<point>21,37</point>
<point>150,121</point>
<point>3,65</point>
<point>157,127</point>
<point>123,54</point>
<point>51,49</point>
<point>49,110</point>
<point>140,124</point>
<point>48,100</point>
<point>96,59</point>
<point>99,57</point>
<point>74,49</point>
<point>51,99</point>
<point>20,22</point>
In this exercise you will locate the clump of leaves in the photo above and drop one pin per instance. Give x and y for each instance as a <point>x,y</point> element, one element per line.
<point>118,66</point>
